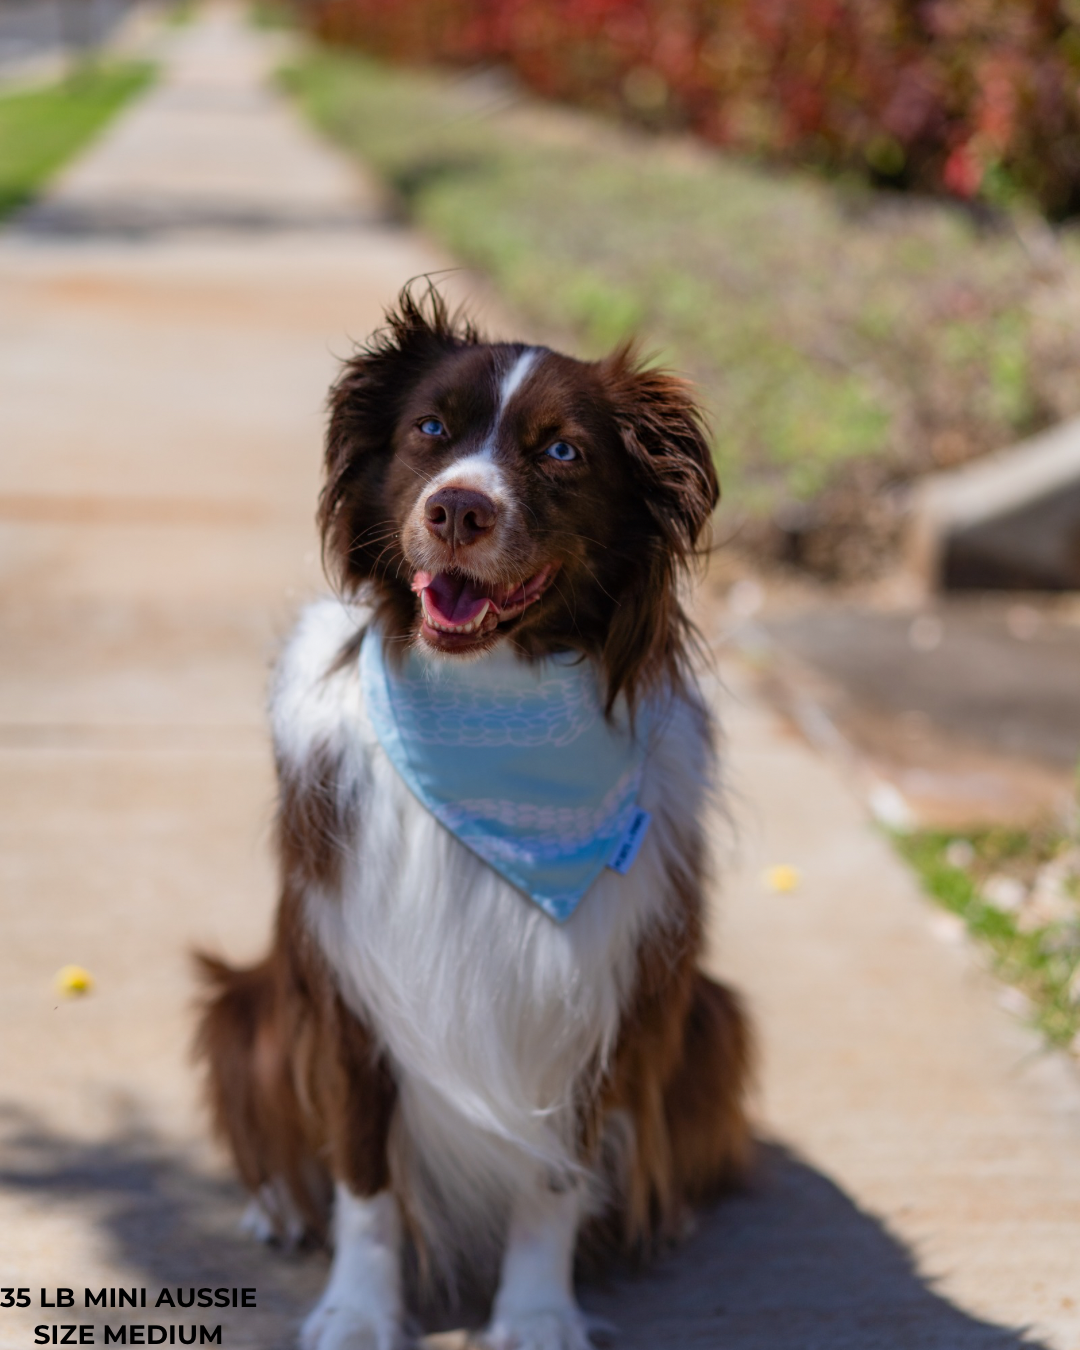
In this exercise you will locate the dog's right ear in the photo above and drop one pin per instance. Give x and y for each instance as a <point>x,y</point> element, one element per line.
<point>365,404</point>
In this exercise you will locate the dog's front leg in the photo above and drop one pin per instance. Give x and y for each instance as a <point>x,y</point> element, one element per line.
<point>361,1305</point>
<point>535,1307</point>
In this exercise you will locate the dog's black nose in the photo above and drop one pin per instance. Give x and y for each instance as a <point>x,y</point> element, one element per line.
<point>458,515</point>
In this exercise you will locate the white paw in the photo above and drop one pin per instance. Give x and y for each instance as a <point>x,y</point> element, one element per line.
<point>340,1326</point>
<point>555,1329</point>
<point>257,1224</point>
<point>271,1217</point>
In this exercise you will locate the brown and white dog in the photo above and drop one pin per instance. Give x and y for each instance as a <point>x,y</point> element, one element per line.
<point>424,1055</point>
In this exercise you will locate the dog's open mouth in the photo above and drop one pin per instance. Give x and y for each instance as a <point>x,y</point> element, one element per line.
<point>458,609</point>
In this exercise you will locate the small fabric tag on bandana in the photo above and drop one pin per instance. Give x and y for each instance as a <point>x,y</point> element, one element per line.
<point>518,760</point>
<point>629,845</point>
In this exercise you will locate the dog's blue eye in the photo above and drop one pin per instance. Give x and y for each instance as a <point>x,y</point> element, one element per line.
<point>562,452</point>
<point>431,426</point>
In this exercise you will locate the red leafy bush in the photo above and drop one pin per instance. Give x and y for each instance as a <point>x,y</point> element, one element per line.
<point>978,98</point>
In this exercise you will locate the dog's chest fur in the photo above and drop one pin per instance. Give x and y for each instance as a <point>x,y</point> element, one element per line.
<point>492,1016</point>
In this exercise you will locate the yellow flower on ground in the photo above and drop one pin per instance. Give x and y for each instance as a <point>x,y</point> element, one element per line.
<point>782,878</point>
<point>73,981</point>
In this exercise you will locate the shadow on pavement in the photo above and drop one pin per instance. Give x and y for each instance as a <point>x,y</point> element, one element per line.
<point>146,220</point>
<point>790,1264</point>
<point>163,1221</point>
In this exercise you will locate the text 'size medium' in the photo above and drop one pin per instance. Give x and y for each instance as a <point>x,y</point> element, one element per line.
<point>136,1333</point>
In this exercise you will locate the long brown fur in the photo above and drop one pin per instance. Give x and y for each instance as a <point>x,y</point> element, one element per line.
<point>296,1087</point>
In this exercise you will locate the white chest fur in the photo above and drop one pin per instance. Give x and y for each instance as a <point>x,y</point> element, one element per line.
<point>490,1013</point>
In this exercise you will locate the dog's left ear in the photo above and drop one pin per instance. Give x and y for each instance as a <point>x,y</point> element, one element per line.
<point>664,436</point>
<point>664,433</point>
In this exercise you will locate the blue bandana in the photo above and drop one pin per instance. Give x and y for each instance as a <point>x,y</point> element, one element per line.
<point>518,760</point>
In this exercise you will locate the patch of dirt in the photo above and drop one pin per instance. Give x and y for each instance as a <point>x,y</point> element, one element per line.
<point>965,712</point>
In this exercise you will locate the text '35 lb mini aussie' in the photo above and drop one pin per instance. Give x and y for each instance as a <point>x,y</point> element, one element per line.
<point>481,1032</point>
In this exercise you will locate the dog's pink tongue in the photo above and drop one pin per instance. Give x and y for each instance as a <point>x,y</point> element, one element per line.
<point>451,599</point>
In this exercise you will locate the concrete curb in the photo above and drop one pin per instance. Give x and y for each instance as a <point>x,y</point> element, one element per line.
<point>1011,520</point>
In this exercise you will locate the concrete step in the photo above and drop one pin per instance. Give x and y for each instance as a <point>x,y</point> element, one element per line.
<point>1010,521</point>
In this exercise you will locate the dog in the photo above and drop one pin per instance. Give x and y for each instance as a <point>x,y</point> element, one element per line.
<point>479,1034</point>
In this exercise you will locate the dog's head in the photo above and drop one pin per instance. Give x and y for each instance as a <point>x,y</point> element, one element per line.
<point>490,491</point>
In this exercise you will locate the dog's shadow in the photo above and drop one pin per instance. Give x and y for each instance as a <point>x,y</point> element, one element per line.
<point>789,1264</point>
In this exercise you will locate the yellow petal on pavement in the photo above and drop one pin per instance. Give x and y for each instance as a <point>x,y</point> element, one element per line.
<point>73,981</point>
<point>781,878</point>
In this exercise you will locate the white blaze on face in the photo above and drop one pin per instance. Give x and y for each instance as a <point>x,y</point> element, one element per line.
<point>478,471</point>
<point>514,378</point>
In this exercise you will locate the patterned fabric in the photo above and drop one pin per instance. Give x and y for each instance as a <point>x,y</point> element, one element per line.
<point>516,759</point>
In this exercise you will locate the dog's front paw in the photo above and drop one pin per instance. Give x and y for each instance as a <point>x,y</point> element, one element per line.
<point>342,1326</point>
<point>555,1329</point>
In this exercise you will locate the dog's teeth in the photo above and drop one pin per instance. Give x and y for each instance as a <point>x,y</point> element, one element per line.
<point>471,627</point>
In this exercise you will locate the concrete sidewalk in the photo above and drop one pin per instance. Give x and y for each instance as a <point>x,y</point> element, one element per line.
<point>169,321</point>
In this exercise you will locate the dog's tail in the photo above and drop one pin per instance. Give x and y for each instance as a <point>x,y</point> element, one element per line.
<point>245,1044</point>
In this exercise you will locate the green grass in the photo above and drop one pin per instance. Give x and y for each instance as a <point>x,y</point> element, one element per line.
<point>181,13</point>
<point>40,129</point>
<point>838,337</point>
<point>1037,954</point>
<point>272,15</point>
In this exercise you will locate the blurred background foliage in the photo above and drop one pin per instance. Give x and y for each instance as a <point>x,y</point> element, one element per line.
<point>976,98</point>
